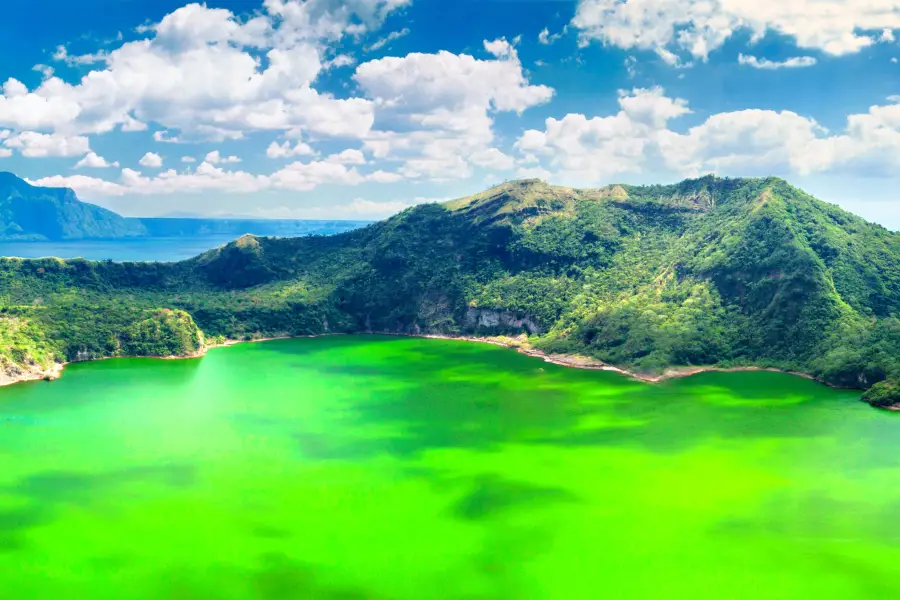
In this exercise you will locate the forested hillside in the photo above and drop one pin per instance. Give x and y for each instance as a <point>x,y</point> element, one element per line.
<point>705,272</point>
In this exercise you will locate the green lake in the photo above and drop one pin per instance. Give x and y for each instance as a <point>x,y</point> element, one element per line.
<point>399,468</point>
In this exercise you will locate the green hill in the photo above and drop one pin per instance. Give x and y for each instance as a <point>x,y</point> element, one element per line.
<point>28,212</point>
<point>710,271</point>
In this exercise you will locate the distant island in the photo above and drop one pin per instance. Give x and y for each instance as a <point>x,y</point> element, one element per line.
<point>31,213</point>
<point>708,272</point>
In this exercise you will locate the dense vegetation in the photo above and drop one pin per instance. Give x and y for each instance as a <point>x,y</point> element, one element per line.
<point>884,394</point>
<point>705,272</point>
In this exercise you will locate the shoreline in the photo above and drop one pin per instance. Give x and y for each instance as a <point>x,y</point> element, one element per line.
<point>55,370</point>
<point>576,361</point>
<point>573,361</point>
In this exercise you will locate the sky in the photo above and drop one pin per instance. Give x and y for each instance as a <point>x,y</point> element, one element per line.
<point>357,109</point>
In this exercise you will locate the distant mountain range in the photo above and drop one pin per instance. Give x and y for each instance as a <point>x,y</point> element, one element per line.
<point>30,213</point>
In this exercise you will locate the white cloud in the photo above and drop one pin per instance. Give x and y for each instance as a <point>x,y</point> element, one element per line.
<point>84,186</point>
<point>62,55</point>
<point>40,145</point>
<point>592,149</point>
<point>46,71</point>
<point>434,110</point>
<point>94,161</point>
<point>546,38</point>
<point>151,159</point>
<point>299,176</point>
<point>533,173</point>
<point>199,76</point>
<point>204,74</point>
<point>575,149</point>
<point>284,150</point>
<point>338,169</point>
<point>791,63</point>
<point>445,80</point>
<point>887,36</point>
<point>165,137</point>
<point>492,158</point>
<point>834,27</point>
<point>341,60</point>
<point>381,43</point>
<point>214,158</point>
<point>188,159</point>
<point>638,139</point>
<point>358,208</point>
<point>378,210</point>
<point>351,156</point>
<point>5,152</point>
<point>672,59</point>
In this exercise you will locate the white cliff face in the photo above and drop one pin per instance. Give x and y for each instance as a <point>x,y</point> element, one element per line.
<point>493,319</point>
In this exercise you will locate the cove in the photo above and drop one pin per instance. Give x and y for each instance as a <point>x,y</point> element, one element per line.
<point>355,467</point>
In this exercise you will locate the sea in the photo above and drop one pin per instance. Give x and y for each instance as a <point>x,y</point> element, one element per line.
<point>163,248</point>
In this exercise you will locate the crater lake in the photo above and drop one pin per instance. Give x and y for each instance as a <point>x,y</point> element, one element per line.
<point>403,468</point>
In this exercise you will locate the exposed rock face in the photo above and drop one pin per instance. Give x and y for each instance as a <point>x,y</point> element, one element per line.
<point>11,373</point>
<point>495,319</point>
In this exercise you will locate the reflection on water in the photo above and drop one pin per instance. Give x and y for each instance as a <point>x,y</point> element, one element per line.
<point>370,467</point>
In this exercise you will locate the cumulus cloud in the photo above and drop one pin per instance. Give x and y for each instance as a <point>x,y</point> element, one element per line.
<point>791,63</point>
<point>151,159</point>
<point>340,168</point>
<point>341,60</point>
<point>94,161</point>
<point>215,158</point>
<point>595,148</point>
<point>493,159</point>
<point>351,156</point>
<point>639,139</point>
<point>835,27</point>
<point>41,145</point>
<point>198,76</point>
<point>206,74</point>
<point>284,150</point>
<point>434,110</point>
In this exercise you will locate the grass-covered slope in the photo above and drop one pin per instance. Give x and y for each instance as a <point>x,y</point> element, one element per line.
<point>705,272</point>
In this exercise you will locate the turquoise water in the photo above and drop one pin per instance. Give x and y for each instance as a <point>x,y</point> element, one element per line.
<point>371,467</point>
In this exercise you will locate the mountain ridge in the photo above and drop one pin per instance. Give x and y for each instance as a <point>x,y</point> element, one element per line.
<point>29,212</point>
<point>704,272</point>
<point>34,213</point>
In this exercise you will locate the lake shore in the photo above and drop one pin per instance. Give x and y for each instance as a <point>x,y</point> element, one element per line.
<point>577,361</point>
<point>519,344</point>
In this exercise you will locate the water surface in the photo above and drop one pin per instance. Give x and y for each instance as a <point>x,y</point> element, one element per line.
<point>122,250</point>
<point>382,468</point>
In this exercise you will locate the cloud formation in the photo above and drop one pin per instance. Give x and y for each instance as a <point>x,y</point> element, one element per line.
<point>763,63</point>
<point>835,27</point>
<point>640,138</point>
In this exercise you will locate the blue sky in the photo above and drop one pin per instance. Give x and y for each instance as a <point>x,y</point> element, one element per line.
<point>359,108</point>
